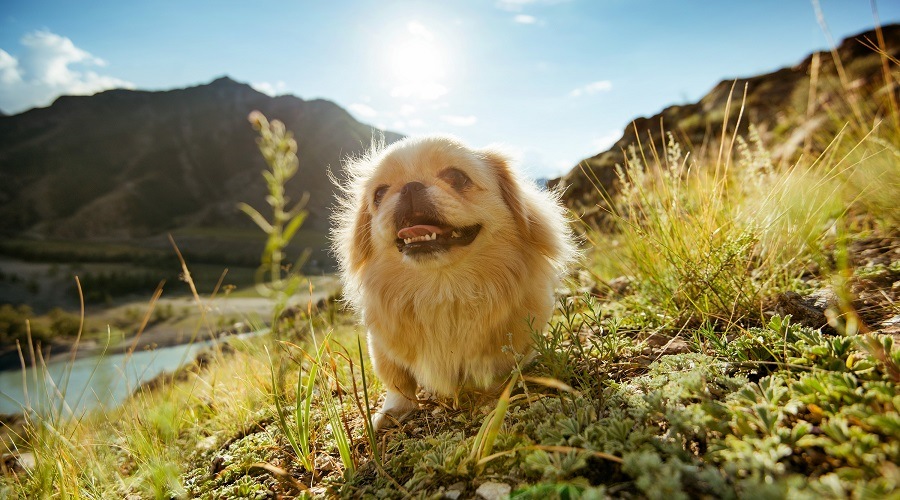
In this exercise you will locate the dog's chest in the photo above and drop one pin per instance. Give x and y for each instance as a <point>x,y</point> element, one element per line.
<point>455,351</point>
<point>447,344</point>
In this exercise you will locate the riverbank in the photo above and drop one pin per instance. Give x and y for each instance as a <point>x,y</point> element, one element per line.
<point>109,369</point>
<point>136,324</point>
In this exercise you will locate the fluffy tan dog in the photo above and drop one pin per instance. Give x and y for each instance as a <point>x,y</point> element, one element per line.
<point>449,256</point>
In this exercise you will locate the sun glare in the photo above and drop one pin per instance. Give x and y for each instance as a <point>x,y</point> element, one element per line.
<point>417,64</point>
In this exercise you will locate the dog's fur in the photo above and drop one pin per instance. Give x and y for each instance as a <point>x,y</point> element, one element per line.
<point>441,320</point>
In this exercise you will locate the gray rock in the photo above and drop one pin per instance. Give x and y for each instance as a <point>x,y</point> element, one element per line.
<point>455,490</point>
<point>452,494</point>
<point>493,491</point>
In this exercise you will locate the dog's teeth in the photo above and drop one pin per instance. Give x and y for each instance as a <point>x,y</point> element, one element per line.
<point>455,234</point>
<point>424,237</point>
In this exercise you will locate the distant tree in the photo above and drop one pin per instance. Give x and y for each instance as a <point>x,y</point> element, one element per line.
<point>63,323</point>
<point>14,325</point>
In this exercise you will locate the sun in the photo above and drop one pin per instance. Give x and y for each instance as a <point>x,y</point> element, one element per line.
<point>418,65</point>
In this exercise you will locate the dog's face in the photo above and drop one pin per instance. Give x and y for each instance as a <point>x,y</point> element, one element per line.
<point>433,201</point>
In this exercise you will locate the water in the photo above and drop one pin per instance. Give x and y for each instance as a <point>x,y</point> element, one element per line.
<point>93,381</point>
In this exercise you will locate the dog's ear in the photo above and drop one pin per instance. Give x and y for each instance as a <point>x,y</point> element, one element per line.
<point>533,221</point>
<point>360,238</point>
<point>509,189</point>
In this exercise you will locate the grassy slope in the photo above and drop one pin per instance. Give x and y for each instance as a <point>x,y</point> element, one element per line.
<point>676,382</point>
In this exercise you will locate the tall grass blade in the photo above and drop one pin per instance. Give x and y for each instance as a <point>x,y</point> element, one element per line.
<point>370,429</point>
<point>483,444</point>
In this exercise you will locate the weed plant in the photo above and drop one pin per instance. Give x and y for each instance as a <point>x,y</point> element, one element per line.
<point>279,149</point>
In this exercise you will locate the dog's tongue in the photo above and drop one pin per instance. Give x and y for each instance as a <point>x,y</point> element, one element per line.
<point>420,230</point>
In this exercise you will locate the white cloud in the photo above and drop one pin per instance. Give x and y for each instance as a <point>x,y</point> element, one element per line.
<point>518,5</point>
<point>606,141</point>
<point>267,88</point>
<point>416,123</point>
<point>592,88</point>
<point>407,109</point>
<point>427,91</point>
<point>513,5</point>
<point>564,165</point>
<point>418,29</point>
<point>524,19</point>
<point>363,110</point>
<point>9,69</point>
<point>47,68</point>
<point>460,121</point>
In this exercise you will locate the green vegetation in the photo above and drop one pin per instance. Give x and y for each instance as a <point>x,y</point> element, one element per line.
<point>17,323</point>
<point>279,149</point>
<point>14,325</point>
<point>682,364</point>
<point>103,286</point>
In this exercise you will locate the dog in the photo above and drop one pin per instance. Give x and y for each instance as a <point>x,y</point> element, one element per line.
<point>452,259</point>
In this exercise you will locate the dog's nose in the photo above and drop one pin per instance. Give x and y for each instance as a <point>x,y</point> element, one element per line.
<point>413,200</point>
<point>412,187</point>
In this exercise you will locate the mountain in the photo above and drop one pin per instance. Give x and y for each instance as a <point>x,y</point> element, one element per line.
<point>126,165</point>
<point>776,103</point>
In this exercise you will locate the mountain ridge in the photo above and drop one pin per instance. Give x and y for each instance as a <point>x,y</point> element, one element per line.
<point>126,165</point>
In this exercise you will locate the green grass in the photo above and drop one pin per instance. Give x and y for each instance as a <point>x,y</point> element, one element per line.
<point>778,411</point>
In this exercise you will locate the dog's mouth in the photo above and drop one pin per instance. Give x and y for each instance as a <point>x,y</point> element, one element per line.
<point>426,237</point>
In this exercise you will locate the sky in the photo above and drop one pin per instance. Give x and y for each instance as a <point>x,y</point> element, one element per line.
<point>551,81</point>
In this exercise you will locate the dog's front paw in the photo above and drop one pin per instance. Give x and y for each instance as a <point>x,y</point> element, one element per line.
<point>395,409</point>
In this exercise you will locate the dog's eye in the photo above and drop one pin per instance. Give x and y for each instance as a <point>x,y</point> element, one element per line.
<point>456,178</point>
<point>379,194</point>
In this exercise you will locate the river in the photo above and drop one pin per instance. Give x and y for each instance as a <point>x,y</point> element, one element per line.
<point>90,382</point>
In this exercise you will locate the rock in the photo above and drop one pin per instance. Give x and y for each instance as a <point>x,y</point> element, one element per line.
<point>493,491</point>
<point>455,490</point>
<point>27,460</point>
<point>823,299</point>
<point>207,443</point>
<point>621,285</point>
<point>658,345</point>
<point>18,461</point>
<point>807,311</point>
<point>676,346</point>
<point>891,326</point>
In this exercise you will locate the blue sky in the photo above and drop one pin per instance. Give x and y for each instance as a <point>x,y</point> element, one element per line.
<point>553,80</point>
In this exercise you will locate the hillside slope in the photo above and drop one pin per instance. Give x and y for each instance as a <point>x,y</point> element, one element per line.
<point>778,104</point>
